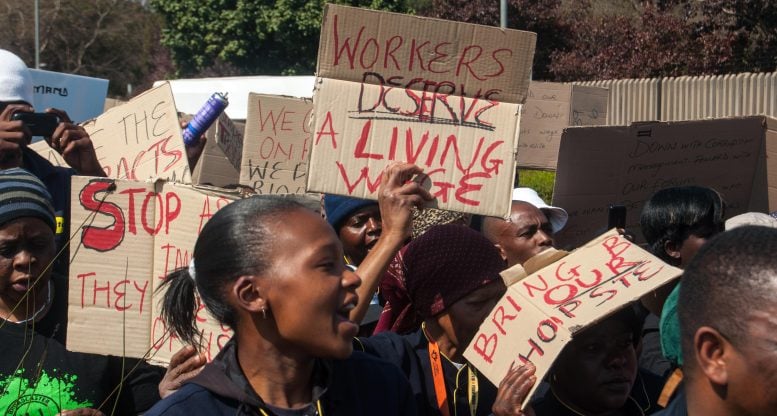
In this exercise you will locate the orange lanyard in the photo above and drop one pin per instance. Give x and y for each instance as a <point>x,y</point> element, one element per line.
<point>439,378</point>
<point>435,358</point>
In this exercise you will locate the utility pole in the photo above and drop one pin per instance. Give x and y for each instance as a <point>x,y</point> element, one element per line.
<point>502,13</point>
<point>37,35</point>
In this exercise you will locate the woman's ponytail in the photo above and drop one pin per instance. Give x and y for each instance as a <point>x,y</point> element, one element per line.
<point>180,304</point>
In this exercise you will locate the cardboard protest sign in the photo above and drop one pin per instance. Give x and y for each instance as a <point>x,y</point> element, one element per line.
<point>440,94</point>
<point>141,139</point>
<point>549,109</point>
<point>541,313</point>
<point>277,141</point>
<point>219,164</point>
<point>130,234</point>
<point>81,97</point>
<point>625,165</point>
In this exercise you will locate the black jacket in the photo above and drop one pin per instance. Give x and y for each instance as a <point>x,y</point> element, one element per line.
<point>359,385</point>
<point>411,354</point>
<point>39,376</point>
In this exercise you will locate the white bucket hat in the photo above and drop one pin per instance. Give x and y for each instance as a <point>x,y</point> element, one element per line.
<point>557,216</point>
<point>15,79</point>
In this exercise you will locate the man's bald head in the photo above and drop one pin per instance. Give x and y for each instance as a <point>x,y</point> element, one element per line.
<point>524,234</point>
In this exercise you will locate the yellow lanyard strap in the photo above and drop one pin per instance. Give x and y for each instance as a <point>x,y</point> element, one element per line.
<point>472,389</point>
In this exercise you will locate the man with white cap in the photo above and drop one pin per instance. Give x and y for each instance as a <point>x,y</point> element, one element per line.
<point>70,140</point>
<point>528,230</point>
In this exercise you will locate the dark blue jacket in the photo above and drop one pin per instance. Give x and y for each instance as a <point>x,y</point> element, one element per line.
<point>359,385</point>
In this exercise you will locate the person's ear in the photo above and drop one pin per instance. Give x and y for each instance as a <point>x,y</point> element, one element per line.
<point>712,354</point>
<point>502,251</point>
<point>248,295</point>
<point>672,249</point>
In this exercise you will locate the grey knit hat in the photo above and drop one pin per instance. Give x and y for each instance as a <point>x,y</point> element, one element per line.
<point>24,195</point>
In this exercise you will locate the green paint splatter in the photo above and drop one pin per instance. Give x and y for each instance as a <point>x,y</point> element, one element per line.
<point>47,396</point>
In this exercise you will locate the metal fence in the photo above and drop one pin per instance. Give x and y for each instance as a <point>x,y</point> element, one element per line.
<point>689,98</point>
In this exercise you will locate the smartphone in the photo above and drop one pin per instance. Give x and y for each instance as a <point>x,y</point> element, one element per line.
<point>40,124</point>
<point>616,217</point>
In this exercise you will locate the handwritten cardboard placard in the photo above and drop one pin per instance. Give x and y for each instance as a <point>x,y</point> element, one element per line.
<point>441,94</point>
<point>277,142</point>
<point>130,234</point>
<point>625,165</point>
<point>141,139</point>
<point>549,109</point>
<point>219,163</point>
<point>541,313</point>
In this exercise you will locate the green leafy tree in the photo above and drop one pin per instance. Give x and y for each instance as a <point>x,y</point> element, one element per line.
<point>241,37</point>
<point>548,18</point>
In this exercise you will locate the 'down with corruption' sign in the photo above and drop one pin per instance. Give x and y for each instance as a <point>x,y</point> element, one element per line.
<point>541,313</point>
<point>626,165</point>
<point>443,95</point>
<point>277,144</point>
<point>132,234</point>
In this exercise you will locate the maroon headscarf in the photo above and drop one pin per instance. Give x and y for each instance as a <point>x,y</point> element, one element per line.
<point>433,272</point>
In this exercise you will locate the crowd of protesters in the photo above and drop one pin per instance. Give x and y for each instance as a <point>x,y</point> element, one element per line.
<point>366,307</point>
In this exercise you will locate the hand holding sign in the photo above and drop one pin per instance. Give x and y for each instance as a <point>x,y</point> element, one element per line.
<point>193,150</point>
<point>73,143</point>
<point>513,391</point>
<point>397,194</point>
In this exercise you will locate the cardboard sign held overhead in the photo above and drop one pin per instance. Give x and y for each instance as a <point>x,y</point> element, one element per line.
<point>540,314</point>
<point>626,165</point>
<point>277,141</point>
<point>133,234</point>
<point>141,139</point>
<point>443,95</point>
<point>550,108</point>
<point>219,164</point>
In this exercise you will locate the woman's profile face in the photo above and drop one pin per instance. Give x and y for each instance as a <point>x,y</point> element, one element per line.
<point>310,291</point>
<point>596,371</point>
